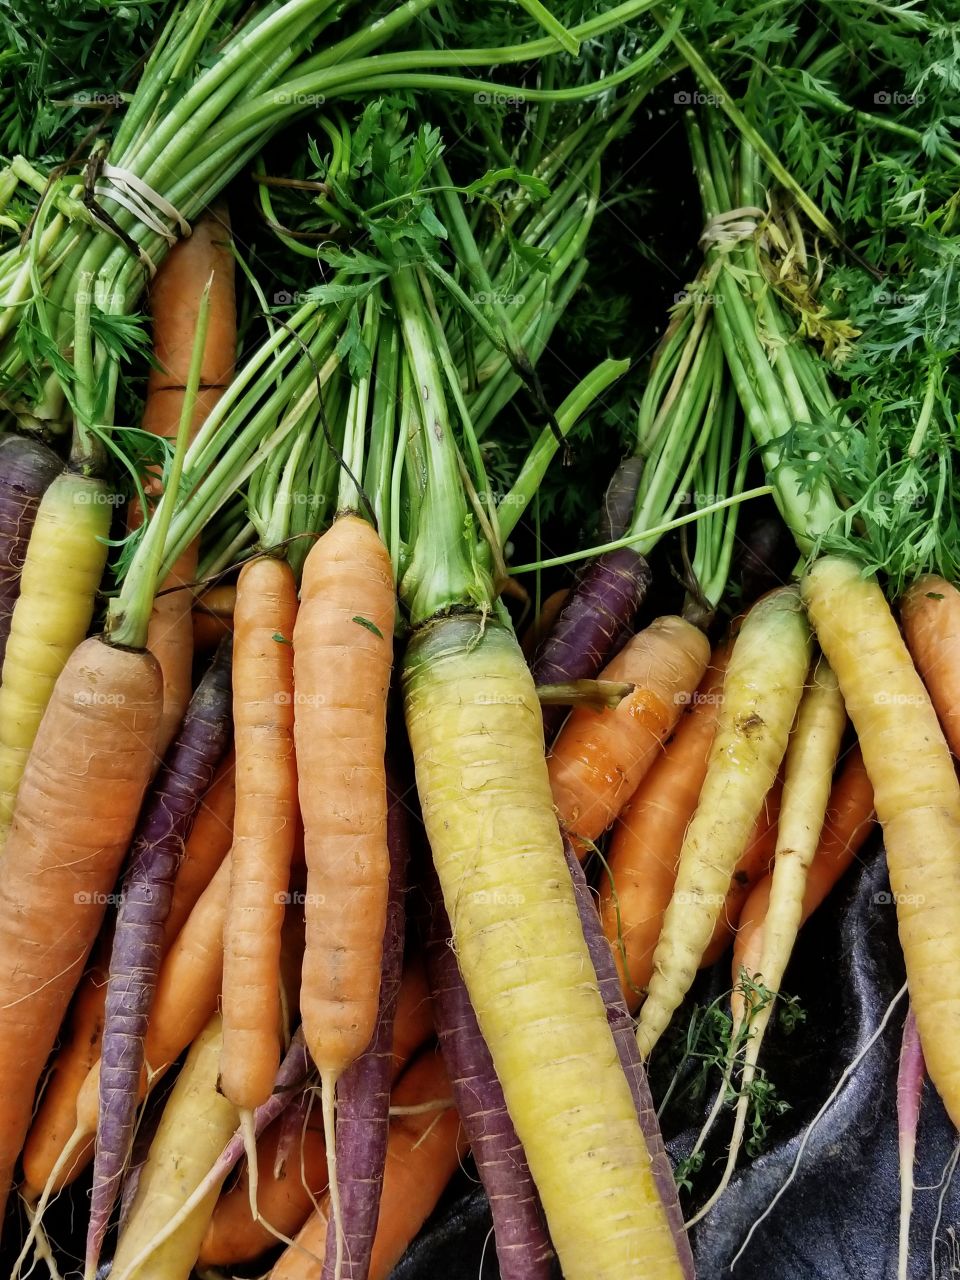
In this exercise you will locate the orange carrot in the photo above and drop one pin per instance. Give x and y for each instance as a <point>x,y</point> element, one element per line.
<point>174,305</point>
<point>423,1152</point>
<point>930,613</point>
<point>600,757</point>
<point>76,808</point>
<point>549,612</point>
<point>849,820</point>
<point>264,830</point>
<point>645,849</point>
<point>207,845</point>
<point>753,865</point>
<point>212,617</point>
<point>286,1195</point>
<point>413,1020</point>
<point>343,651</point>
<point>56,1116</point>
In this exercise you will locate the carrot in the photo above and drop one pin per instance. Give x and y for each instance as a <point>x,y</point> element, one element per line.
<point>423,1152</point>
<point>761,693</point>
<point>592,627</point>
<point>56,1118</point>
<point>549,612</point>
<point>363,1090</point>
<point>287,1193</point>
<point>174,299</point>
<point>916,794</point>
<point>474,725</point>
<point>78,802</point>
<point>207,845</point>
<point>647,837</point>
<point>848,822</point>
<point>64,563</point>
<point>196,1124</point>
<point>621,1024</point>
<point>56,1115</point>
<point>808,769</point>
<point>911,1073</point>
<point>752,865</point>
<point>212,617</point>
<point>520,1233</point>
<point>265,826</point>
<point>413,1021</point>
<point>600,757</point>
<point>343,649</point>
<point>930,613</point>
<point>187,772</point>
<point>27,467</point>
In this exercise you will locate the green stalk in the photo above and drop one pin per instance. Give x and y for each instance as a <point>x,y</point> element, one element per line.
<point>443,572</point>
<point>581,398</point>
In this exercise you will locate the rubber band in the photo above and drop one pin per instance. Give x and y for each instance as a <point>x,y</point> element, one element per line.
<point>139,198</point>
<point>725,230</point>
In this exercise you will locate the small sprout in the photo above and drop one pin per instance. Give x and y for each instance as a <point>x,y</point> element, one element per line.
<point>280,639</point>
<point>687,1170</point>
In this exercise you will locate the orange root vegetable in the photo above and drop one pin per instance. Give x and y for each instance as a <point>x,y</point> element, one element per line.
<point>600,757</point>
<point>423,1152</point>
<point>286,1196</point>
<point>850,819</point>
<point>207,845</point>
<point>930,613</point>
<point>264,829</point>
<point>549,612</point>
<point>175,296</point>
<point>645,848</point>
<point>56,1116</point>
<point>78,801</point>
<point>343,654</point>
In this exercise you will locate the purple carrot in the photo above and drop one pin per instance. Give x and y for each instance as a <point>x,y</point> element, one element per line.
<point>26,469</point>
<point>363,1091</point>
<point>523,1245</point>
<point>910,1076</point>
<point>593,625</point>
<point>163,827</point>
<point>625,1038</point>
<point>620,500</point>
